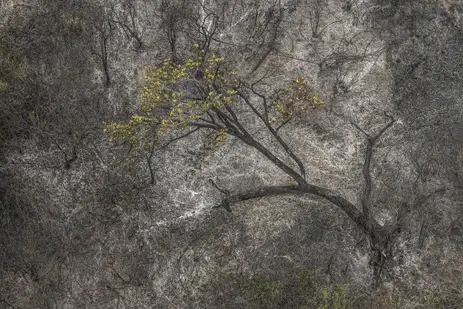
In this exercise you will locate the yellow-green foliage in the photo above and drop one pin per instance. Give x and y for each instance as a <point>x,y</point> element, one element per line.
<point>259,289</point>
<point>335,298</point>
<point>305,284</point>
<point>3,86</point>
<point>177,94</point>
<point>138,131</point>
<point>72,23</point>
<point>391,301</point>
<point>301,291</point>
<point>296,97</point>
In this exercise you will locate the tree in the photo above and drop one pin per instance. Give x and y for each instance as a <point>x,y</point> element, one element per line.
<point>126,17</point>
<point>172,16</point>
<point>204,94</point>
<point>103,26</point>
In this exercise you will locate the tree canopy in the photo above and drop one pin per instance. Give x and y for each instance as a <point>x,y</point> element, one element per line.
<point>204,92</point>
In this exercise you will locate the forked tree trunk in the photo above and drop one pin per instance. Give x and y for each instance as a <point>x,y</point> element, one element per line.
<point>380,237</point>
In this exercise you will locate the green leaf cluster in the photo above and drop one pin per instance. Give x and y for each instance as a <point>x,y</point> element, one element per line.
<point>137,131</point>
<point>293,99</point>
<point>260,290</point>
<point>3,86</point>
<point>336,297</point>
<point>176,94</point>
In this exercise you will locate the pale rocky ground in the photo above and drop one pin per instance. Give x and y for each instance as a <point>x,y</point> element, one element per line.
<point>119,242</point>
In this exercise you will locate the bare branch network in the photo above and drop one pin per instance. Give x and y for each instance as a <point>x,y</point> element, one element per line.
<point>204,93</point>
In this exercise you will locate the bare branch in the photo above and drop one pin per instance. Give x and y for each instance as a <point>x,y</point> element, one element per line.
<point>371,226</point>
<point>224,191</point>
<point>391,122</point>
<point>256,193</point>
<point>283,124</point>
<point>179,137</point>
<point>264,102</point>
<point>205,126</point>
<point>368,224</point>
<point>360,129</point>
<point>275,134</point>
<point>280,164</point>
<point>371,140</point>
<point>230,124</point>
<point>253,108</point>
